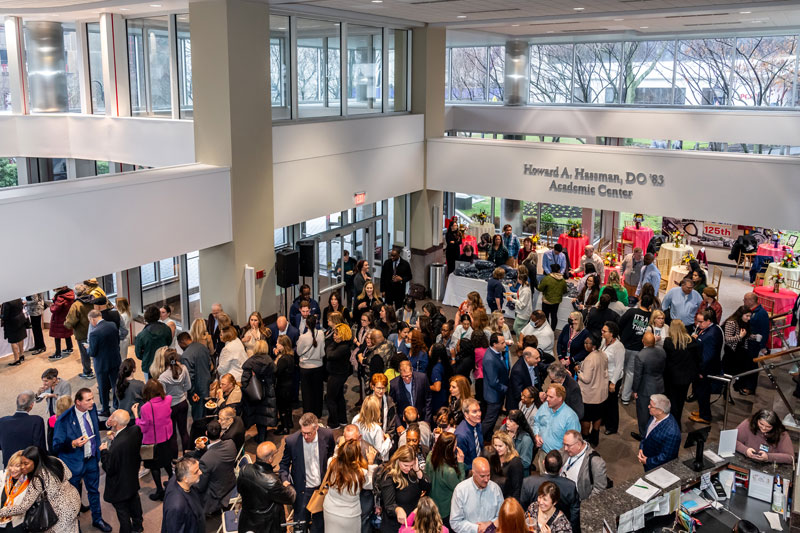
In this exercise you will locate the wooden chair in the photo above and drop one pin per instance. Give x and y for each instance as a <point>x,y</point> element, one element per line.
<point>745,262</point>
<point>716,277</point>
<point>664,266</point>
<point>793,284</point>
<point>760,277</point>
<point>768,305</point>
<point>549,240</point>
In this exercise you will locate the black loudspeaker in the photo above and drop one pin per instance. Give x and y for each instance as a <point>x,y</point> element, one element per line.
<point>286,267</point>
<point>306,250</point>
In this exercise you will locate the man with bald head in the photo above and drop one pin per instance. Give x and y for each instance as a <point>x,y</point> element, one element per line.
<point>648,379</point>
<point>263,494</point>
<point>121,460</point>
<point>282,327</point>
<point>476,500</point>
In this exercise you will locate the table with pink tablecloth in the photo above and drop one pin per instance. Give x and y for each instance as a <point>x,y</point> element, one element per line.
<point>574,246</point>
<point>640,237</point>
<point>607,272</point>
<point>783,301</point>
<point>472,241</point>
<point>767,249</point>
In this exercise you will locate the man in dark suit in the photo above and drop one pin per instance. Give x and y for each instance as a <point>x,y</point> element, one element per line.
<point>558,374</point>
<point>495,383</point>
<point>263,494</point>
<point>212,324</point>
<point>21,429</point>
<point>282,327</point>
<point>197,360</point>
<point>469,436</point>
<point>411,388</point>
<point>75,441</point>
<point>232,427</point>
<point>104,349</point>
<point>121,460</point>
<point>524,373</point>
<point>217,463</point>
<point>312,446</point>
<point>662,440</point>
<point>569,503</point>
<point>396,272</point>
<point>183,504</point>
<point>305,296</point>
<point>648,379</point>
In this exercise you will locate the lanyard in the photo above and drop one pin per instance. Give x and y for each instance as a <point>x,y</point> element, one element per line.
<point>571,462</point>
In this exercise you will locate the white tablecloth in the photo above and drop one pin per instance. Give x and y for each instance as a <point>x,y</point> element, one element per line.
<point>675,253</point>
<point>677,273</point>
<point>476,230</point>
<point>788,273</point>
<point>458,287</point>
<point>5,347</point>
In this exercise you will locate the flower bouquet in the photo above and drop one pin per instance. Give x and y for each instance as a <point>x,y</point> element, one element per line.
<point>687,258</point>
<point>638,218</point>
<point>677,237</point>
<point>535,239</point>
<point>574,229</point>
<point>788,260</point>
<point>777,280</point>
<point>610,260</point>
<point>481,217</point>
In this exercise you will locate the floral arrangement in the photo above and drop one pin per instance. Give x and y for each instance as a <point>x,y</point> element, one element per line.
<point>687,258</point>
<point>535,239</point>
<point>638,218</point>
<point>777,281</point>
<point>610,260</point>
<point>788,260</point>
<point>574,228</point>
<point>481,217</point>
<point>776,238</point>
<point>677,237</point>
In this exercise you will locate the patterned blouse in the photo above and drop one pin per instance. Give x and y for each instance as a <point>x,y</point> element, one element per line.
<point>558,523</point>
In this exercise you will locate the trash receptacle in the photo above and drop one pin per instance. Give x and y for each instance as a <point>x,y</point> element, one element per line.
<point>438,274</point>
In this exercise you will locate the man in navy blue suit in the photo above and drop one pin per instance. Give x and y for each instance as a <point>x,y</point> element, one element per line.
<point>524,373</point>
<point>411,388</point>
<point>469,436</point>
<point>104,349</point>
<point>21,429</point>
<point>304,463</point>
<point>282,327</point>
<point>76,442</point>
<point>662,441</point>
<point>495,383</point>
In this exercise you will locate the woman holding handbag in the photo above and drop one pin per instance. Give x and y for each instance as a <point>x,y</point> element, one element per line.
<point>155,420</point>
<point>258,386</point>
<point>402,484</point>
<point>49,491</point>
<point>348,474</point>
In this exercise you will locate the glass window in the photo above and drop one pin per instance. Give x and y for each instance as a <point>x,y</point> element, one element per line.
<point>764,70</point>
<point>597,73</point>
<point>184,67</point>
<point>149,66</point>
<point>160,285</point>
<point>72,62</point>
<point>8,172</point>
<point>703,71</point>
<point>364,67</point>
<point>397,49</point>
<point>497,69</point>
<point>318,68</point>
<point>279,235</point>
<point>648,73</point>
<point>468,73</point>
<point>96,68</point>
<point>279,67</point>
<point>5,88</point>
<point>193,278</point>
<point>551,73</point>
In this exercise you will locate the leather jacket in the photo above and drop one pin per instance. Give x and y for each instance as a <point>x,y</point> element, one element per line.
<point>263,497</point>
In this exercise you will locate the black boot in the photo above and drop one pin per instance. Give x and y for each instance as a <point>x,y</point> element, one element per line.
<point>594,438</point>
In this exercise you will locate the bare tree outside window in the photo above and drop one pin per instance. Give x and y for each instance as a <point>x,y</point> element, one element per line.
<point>764,70</point>
<point>468,70</point>
<point>551,73</point>
<point>597,73</point>
<point>647,72</point>
<point>704,68</point>
<point>497,68</point>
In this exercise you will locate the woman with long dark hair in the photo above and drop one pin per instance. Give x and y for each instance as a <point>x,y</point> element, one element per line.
<point>284,370</point>
<point>498,254</point>
<point>360,278</point>
<point>418,353</point>
<point>763,438</point>
<point>50,475</point>
<point>128,388</point>
<point>335,305</point>
<point>445,469</point>
<point>177,383</point>
<point>439,372</point>
<point>261,412</point>
<point>337,351</point>
<point>452,241</point>
<point>12,319</point>
<point>254,331</point>
<point>425,327</point>
<point>521,434</point>
<point>588,295</point>
<point>464,360</point>
<point>738,353</point>
<point>387,322</point>
<point>481,344</point>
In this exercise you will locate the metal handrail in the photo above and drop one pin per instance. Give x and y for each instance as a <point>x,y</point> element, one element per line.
<point>333,287</point>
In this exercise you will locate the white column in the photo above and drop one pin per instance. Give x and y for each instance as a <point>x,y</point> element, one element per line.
<point>17,73</point>
<point>23,177</point>
<point>115,65</point>
<point>84,81</point>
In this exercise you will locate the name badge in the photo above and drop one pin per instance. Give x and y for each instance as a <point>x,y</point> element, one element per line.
<point>764,448</point>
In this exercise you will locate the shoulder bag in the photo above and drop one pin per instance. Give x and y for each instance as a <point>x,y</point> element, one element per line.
<point>147,451</point>
<point>254,391</point>
<point>316,500</point>
<point>40,516</point>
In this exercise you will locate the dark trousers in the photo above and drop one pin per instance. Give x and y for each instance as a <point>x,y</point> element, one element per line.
<point>300,512</point>
<point>611,409</point>
<point>105,386</point>
<point>337,409</point>
<point>58,344</point>
<point>311,381</point>
<point>479,394</point>
<point>90,475</point>
<point>367,510</point>
<point>677,399</point>
<point>702,393</point>
<point>643,413</point>
<point>86,361</point>
<point>551,312</point>
<point>490,419</point>
<point>179,415</point>
<point>129,513</point>
<point>197,408</point>
<point>38,337</point>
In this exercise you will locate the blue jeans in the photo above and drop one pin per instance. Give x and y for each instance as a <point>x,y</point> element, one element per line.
<point>90,475</point>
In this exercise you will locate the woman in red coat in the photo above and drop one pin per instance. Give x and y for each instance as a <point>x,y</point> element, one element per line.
<point>62,301</point>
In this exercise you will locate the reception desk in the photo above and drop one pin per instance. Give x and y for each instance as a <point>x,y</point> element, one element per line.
<point>612,503</point>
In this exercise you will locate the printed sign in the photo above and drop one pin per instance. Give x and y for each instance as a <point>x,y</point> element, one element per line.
<point>713,229</point>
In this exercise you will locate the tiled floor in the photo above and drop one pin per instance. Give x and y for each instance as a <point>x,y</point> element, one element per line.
<point>618,450</point>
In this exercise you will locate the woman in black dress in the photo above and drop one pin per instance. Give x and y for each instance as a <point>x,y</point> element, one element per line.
<point>284,369</point>
<point>261,412</point>
<point>401,485</point>
<point>12,319</point>
<point>453,248</point>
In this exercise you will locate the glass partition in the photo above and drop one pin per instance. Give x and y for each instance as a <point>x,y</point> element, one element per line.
<point>279,67</point>
<point>149,66</point>
<point>5,88</point>
<point>318,68</point>
<point>551,73</point>
<point>96,68</point>
<point>364,68</point>
<point>468,73</point>
<point>72,61</point>
<point>397,51</point>
<point>184,66</point>
<point>703,71</point>
<point>597,73</point>
<point>764,70</point>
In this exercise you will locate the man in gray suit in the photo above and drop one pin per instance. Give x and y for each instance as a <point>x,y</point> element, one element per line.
<point>583,465</point>
<point>217,464</point>
<point>648,379</point>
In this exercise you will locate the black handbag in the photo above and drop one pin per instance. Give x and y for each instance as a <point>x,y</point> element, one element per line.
<point>40,516</point>
<point>254,390</point>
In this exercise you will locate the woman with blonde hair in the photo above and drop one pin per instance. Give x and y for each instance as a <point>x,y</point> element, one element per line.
<point>199,334</point>
<point>348,475</point>
<point>469,306</point>
<point>511,463</point>
<point>254,331</point>
<point>497,324</point>
<point>14,486</point>
<point>229,394</point>
<point>658,328</point>
<point>124,308</point>
<point>365,301</point>
<point>401,486</point>
<point>159,364</point>
<point>284,371</point>
<point>615,283</point>
<point>233,355</point>
<point>368,421</point>
<point>261,412</point>
<point>339,369</point>
<point>570,341</point>
<point>426,518</point>
<point>684,355</point>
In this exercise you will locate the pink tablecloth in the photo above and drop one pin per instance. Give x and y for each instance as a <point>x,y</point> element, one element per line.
<point>768,250</point>
<point>472,241</point>
<point>574,247</point>
<point>640,237</point>
<point>607,272</point>
<point>783,302</point>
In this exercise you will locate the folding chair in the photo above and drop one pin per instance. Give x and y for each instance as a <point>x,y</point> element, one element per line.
<point>760,278</point>
<point>230,522</point>
<point>233,496</point>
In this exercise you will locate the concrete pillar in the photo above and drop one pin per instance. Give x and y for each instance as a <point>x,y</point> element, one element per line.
<point>587,221</point>
<point>17,72</point>
<point>23,176</point>
<point>46,58</point>
<point>233,128</point>
<point>114,44</point>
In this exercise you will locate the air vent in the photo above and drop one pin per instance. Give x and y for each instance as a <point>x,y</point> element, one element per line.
<point>491,11</point>
<point>710,24</point>
<point>695,16</point>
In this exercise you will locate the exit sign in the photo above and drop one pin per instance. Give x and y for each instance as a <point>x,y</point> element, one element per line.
<point>359,198</point>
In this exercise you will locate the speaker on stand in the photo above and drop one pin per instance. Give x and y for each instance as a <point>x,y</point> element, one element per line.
<point>287,273</point>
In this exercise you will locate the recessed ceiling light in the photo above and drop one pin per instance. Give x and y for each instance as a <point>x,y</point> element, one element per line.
<point>124,9</point>
<point>514,25</point>
<point>282,28</point>
<point>578,8</point>
<point>756,21</point>
<point>155,5</point>
<point>377,1</point>
<point>643,27</point>
<point>618,20</point>
<point>745,12</point>
<point>461,17</point>
<point>551,31</point>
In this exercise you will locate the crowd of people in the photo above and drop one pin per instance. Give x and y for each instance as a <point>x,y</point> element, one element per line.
<point>449,431</point>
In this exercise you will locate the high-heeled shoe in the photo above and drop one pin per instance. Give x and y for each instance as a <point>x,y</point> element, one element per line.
<point>16,363</point>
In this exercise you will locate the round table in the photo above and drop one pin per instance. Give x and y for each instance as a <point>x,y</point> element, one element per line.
<point>607,270</point>
<point>788,273</point>
<point>768,250</point>
<point>782,302</point>
<point>476,230</point>
<point>574,246</point>
<point>540,251</point>
<point>677,273</point>
<point>472,241</point>
<point>640,237</point>
<point>674,253</point>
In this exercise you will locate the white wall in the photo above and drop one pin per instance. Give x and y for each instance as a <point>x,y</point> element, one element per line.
<point>318,167</point>
<point>736,126</point>
<point>751,190</point>
<point>151,142</point>
<point>57,233</point>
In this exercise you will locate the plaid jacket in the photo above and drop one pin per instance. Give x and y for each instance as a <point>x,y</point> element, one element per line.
<point>662,444</point>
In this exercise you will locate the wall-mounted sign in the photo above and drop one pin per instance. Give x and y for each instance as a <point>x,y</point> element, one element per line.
<point>359,198</point>
<point>712,229</point>
<point>588,183</point>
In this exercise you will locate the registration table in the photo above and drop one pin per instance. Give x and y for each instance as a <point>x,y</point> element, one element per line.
<point>768,250</point>
<point>677,273</point>
<point>640,237</point>
<point>788,273</point>
<point>674,253</point>
<point>476,230</point>
<point>574,246</point>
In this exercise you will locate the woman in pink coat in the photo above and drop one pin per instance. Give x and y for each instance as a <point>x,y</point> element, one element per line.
<point>154,418</point>
<point>62,301</point>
